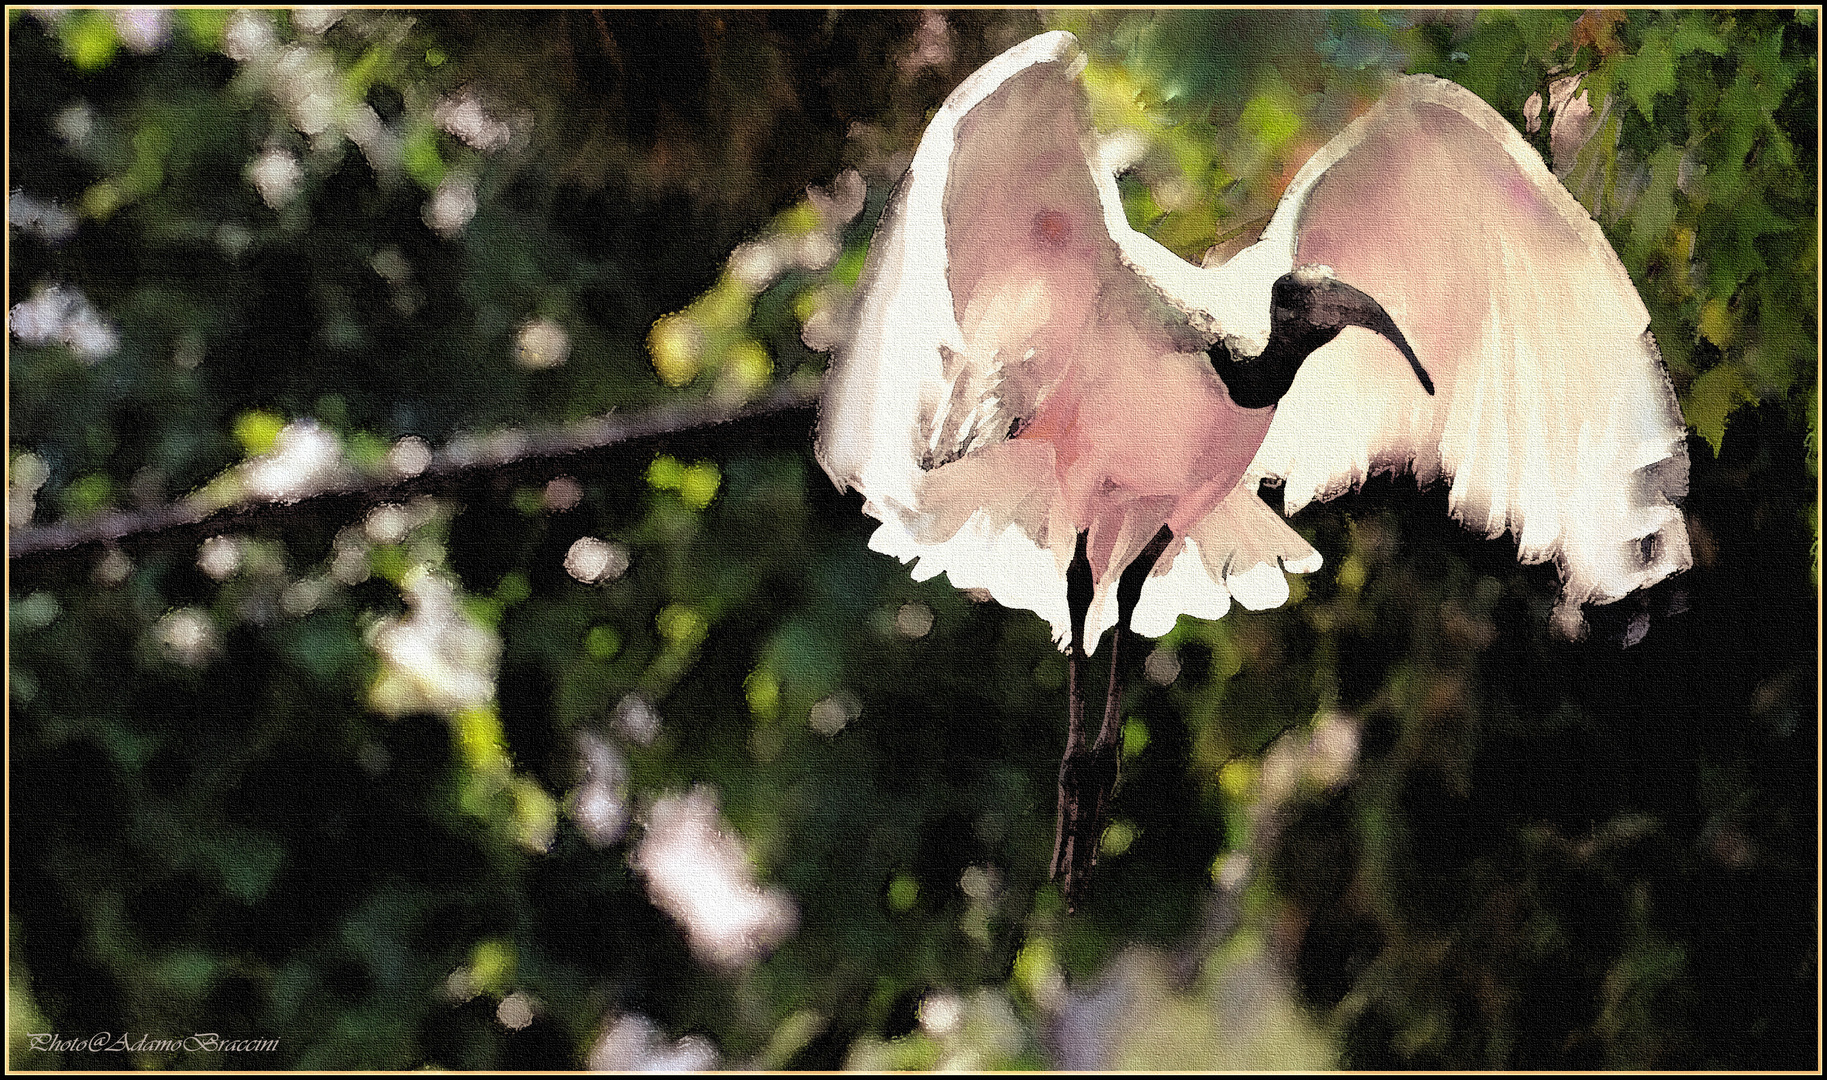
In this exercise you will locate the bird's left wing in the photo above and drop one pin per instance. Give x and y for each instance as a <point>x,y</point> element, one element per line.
<point>1555,420</point>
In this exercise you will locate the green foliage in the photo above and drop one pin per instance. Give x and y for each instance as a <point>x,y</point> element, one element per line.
<point>382,788</point>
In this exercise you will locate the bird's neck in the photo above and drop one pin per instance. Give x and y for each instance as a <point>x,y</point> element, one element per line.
<point>1259,382</point>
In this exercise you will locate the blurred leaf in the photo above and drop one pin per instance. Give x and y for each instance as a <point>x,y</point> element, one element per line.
<point>1712,400</point>
<point>89,39</point>
<point>257,430</point>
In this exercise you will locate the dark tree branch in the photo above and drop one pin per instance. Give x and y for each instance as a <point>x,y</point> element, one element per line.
<point>517,457</point>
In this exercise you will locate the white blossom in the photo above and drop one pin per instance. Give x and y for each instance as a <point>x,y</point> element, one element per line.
<point>306,83</point>
<point>315,20</point>
<point>409,457</point>
<point>632,1043</point>
<point>515,1011</point>
<point>464,116</point>
<point>74,124</point>
<point>591,560</point>
<point>451,206</point>
<point>832,714</point>
<point>542,343</point>
<point>305,458</point>
<point>276,174</point>
<point>700,874</point>
<point>143,29</point>
<point>435,659</point>
<point>386,524</point>
<point>249,36</point>
<point>219,557</point>
<point>59,314</point>
<point>189,635</point>
<point>562,493</point>
<point>48,220</point>
<point>600,803</point>
<point>636,719</point>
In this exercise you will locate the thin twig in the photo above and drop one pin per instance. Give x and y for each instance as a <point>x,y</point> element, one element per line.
<point>544,453</point>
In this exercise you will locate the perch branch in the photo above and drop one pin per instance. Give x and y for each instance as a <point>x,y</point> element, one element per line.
<point>534,454</point>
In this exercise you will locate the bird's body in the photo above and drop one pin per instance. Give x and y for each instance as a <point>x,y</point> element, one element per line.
<point>1042,402</point>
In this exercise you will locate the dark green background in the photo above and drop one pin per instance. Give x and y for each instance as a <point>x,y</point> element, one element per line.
<point>1551,855</point>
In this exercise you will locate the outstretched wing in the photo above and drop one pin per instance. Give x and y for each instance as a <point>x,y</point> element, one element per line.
<point>992,286</point>
<point>1554,418</point>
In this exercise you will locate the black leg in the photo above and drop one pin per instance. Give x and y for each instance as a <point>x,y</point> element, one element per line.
<point>1087,777</point>
<point>1129,592</point>
<point>1080,588</point>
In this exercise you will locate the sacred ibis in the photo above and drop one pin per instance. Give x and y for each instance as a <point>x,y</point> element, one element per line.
<point>1041,402</point>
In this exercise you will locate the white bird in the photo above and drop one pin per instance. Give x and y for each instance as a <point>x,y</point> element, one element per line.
<point>1041,402</point>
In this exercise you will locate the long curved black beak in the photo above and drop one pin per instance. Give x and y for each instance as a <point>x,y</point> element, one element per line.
<point>1328,304</point>
<point>1307,309</point>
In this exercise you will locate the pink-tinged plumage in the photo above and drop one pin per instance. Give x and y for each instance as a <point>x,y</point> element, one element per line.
<point>1025,367</point>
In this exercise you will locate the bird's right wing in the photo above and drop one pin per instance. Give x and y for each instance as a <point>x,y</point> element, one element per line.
<point>1554,418</point>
